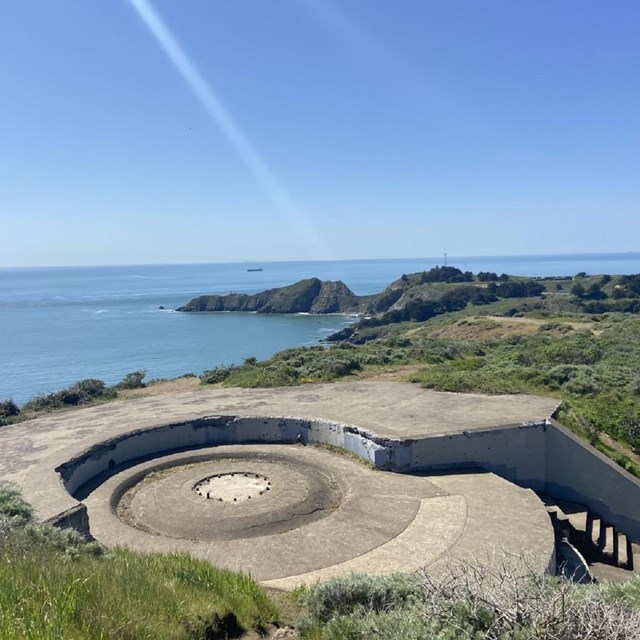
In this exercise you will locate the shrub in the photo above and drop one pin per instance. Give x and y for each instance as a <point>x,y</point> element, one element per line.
<point>268,374</point>
<point>8,409</point>
<point>13,508</point>
<point>132,380</point>
<point>581,384</point>
<point>9,412</point>
<point>407,623</point>
<point>513,602</point>
<point>344,595</point>
<point>91,387</point>
<point>81,392</point>
<point>218,374</point>
<point>446,274</point>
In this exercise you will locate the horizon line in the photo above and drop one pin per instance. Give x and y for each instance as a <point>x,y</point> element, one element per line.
<point>449,258</point>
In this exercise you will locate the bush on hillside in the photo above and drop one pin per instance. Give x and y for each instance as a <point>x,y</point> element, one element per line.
<point>494,602</point>
<point>132,380</point>
<point>345,595</point>
<point>9,411</point>
<point>215,375</point>
<point>14,511</point>
<point>512,289</point>
<point>82,392</point>
<point>446,274</point>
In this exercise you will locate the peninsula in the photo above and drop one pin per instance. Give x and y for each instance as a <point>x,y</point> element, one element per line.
<point>306,296</point>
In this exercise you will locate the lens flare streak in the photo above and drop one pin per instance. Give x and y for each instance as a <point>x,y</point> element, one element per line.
<point>230,129</point>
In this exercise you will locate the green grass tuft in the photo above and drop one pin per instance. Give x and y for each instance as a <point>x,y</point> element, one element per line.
<point>57,586</point>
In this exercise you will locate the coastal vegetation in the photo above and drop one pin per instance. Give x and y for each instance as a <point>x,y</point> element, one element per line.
<point>471,601</point>
<point>87,391</point>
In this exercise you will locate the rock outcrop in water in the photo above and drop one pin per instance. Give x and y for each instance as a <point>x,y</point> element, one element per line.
<point>306,296</point>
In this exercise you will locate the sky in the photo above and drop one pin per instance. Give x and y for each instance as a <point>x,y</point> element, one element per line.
<point>179,131</point>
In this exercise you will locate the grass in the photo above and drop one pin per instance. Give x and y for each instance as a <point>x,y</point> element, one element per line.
<point>56,586</point>
<point>122,595</point>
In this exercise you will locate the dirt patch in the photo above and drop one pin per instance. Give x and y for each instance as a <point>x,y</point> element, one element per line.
<point>398,373</point>
<point>479,328</point>
<point>162,387</point>
<point>619,447</point>
<point>288,603</point>
<point>578,326</point>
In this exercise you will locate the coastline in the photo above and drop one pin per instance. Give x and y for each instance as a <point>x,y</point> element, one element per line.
<point>105,321</point>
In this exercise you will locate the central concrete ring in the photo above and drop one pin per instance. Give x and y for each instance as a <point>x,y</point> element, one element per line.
<point>234,487</point>
<point>227,495</point>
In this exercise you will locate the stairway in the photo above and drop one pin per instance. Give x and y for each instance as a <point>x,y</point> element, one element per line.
<point>594,540</point>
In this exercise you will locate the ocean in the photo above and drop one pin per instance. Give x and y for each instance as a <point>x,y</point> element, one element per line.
<point>59,325</point>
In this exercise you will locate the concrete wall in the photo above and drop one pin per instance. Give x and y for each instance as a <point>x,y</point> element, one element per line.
<point>206,432</point>
<point>580,473</point>
<point>514,453</point>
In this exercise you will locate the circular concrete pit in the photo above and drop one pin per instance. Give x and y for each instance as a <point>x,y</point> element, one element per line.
<point>252,493</point>
<point>325,514</point>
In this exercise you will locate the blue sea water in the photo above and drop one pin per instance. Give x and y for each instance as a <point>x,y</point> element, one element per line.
<point>59,325</point>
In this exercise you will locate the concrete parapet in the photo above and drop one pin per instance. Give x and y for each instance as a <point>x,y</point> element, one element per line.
<point>75,518</point>
<point>141,444</point>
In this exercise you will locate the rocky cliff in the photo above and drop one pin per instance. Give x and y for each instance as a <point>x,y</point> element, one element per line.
<point>306,296</point>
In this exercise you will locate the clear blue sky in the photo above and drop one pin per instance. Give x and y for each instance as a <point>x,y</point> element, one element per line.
<point>146,131</point>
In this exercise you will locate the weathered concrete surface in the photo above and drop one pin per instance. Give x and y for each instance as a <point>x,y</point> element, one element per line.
<point>480,519</point>
<point>380,522</point>
<point>373,508</point>
<point>304,486</point>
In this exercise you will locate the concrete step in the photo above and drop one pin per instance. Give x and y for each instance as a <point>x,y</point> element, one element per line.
<point>608,540</point>
<point>595,531</point>
<point>597,540</point>
<point>624,551</point>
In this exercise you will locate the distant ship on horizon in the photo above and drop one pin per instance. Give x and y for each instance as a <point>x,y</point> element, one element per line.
<point>255,269</point>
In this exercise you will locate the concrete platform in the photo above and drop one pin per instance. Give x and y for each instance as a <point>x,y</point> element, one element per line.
<point>327,514</point>
<point>375,522</point>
